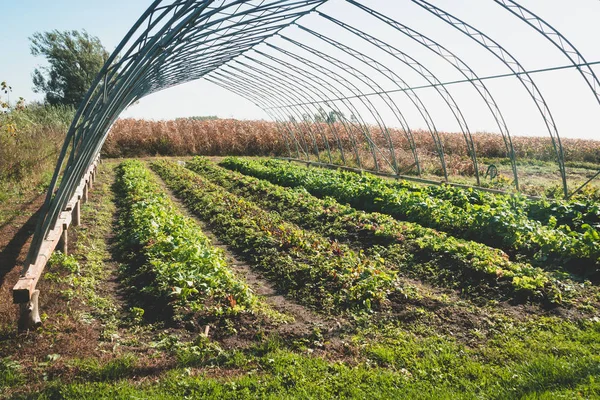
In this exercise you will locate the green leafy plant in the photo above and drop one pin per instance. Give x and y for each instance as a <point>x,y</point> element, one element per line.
<point>497,226</point>
<point>172,261</point>
<point>315,270</point>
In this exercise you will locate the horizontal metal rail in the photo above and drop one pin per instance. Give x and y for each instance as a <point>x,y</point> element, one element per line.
<point>460,81</point>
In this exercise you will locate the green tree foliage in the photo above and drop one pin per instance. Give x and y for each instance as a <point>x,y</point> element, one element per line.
<point>74,58</point>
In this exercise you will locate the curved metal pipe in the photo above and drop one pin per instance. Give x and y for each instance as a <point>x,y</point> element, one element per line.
<point>259,102</point>
<point>317,83</point>
<point>285,92</point>
<point>321,81</point>
<point>303,89</point>
<point>515,66</point>
<point>250,80</point>
<point>463,68</point>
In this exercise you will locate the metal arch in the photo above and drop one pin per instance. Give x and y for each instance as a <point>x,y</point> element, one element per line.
<point>559,40</point>
<point>177,41</point>
<point>179,79</point>
<point>564,45</point>
<point>464,69</point>
<point>303,89</point>
<point>290,119</point>
<point>420,69</point>
<point>188,66</point>
<point>515,66</point>
<point>195,71</point>
<point>153,49</point>
<point>263,104</point>
<point>262,85</point>
<point>284,92</point>
<point>74,172</point>
<point>127,95</point>
<point>367,81</point>
<point>364,79</point>
<point>352,88</point>
<point>316,90</point>
<point>299,91</point>
<point>316,79</point>
<point>362,127</point>
<point>385,97</point>
<point>285,120</point>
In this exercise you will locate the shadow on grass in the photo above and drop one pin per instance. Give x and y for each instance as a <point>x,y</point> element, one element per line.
<point>10,254</point>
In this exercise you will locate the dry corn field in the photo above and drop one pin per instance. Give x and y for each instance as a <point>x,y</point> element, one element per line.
<point>131,137</point>
<point>538,171</point>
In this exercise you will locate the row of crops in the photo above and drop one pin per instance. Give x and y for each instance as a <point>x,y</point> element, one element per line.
<point>305,265</point>
<point>412,249</point>
<point>171,263</point>
<point>328,239</point>
<point>524,231</point>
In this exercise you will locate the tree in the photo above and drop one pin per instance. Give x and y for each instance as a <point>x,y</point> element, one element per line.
<point>75,59</point>
<point>335,116</point>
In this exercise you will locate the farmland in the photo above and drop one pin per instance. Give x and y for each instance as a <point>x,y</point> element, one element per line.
<point>313,199</point>
<point>253,277</point>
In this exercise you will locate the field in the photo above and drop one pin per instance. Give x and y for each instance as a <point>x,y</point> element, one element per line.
<point>253,277</point>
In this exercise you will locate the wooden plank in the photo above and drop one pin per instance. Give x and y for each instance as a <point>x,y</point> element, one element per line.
<point>26,284</point>
<point>77,214</point>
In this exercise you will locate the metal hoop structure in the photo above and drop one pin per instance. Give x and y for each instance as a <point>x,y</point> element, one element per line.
<point>329,94</point>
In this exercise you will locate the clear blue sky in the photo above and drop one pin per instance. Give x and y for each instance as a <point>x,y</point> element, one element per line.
<point>575,110</point>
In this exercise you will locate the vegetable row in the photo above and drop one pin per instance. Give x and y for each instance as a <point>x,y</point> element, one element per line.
<point>421,252</point>
<point>497,226</point>
<point>580,216</point>
<point>172,264</point>
<point>314,270</point>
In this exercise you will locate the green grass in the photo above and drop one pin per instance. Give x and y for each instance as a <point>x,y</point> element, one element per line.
<point>10,373</point>
<point>546,358</point>
<point>92,370</point>
<point>82,272</point>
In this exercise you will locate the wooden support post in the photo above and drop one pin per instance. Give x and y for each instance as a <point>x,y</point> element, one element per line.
<point>63,244</point>
<point>29,313</point>
<point>84,196</point>
<point>77,213</point>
